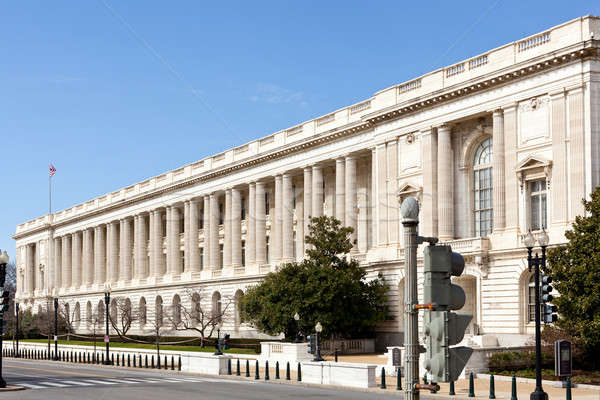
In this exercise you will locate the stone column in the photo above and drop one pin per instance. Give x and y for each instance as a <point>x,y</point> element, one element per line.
<point>374,216</point>
<point>429,222</point>
<point>159,267</point>
<point>170,240</point>
<point>57,263</point>
<point>317,191</point>
<point>445,167</point>
<point>299,242</point>
<point>251,225</point>
<point>362,226</point>
<point>227,231</point>
<point>393,206</point>
<point>350,198</point>
<point>87,257</point>
<point>126,250</point>
<point>76,259</point>
<point>174,266</point>
<point>194,259</point>
<point>99,255</point>
<point>214,232</point>
<point>340,190</point>
<point>498,169</point>
<point>510,150</point>
<point>560,195</point>
<point>186,236</point>
<point>30,269</point>
<point>307,190</point>
<point>287,224</point>
<point>113,251</point>
<point>577,156</point>
<point>277,222</point>
<point>142,263</point>
<point>382,199</point>
<point>207,232</point>
<point>236,228</point>
<point>261,232</point>
<point>66,254</point>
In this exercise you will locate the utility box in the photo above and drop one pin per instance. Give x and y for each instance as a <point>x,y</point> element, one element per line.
<point>563,358</point>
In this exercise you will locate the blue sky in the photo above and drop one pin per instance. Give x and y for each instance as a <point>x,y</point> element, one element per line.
<point>113,92</point>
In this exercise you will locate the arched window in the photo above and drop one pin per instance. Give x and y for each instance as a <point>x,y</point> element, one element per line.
<point>101,311</point>
<point>482,188</point>
<point>196,308</point>
<point>77,315</point>
<point>158,310</point>
<point>88,315</point>
<point>216,306</point>
<point>531,299</point>
<point>142,312</point>
<point>176,310</point>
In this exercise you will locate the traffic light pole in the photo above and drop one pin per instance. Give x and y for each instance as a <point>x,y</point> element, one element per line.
<point>538,393</point>
<point>410,220</point>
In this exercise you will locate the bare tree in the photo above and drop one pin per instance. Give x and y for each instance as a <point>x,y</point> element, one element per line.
<point>197,317</point>
<point>95,323</point>
<point>69,317</point>
<point>122,316</point>
<point>156,324</point>
<point>44,319</point>
<point>11,275</point>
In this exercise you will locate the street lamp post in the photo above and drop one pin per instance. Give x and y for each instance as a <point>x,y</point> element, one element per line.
<point>297,319</point>
<point>55,358</point>
<point>3,261</point>
<point>107,337</point>
<point>537,263</point>
<point>17,329</point>
<point>318,329</point>
<point>219,352</point>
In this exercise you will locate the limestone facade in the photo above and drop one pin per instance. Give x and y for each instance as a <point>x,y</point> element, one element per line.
<point>491,147</point>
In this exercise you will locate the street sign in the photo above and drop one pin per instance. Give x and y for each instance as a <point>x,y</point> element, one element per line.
<point>396,357</point>
<point>562,358</point>
<point>106,339</point>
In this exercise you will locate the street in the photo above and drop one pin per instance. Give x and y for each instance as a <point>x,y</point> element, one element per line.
<point>56,380</point>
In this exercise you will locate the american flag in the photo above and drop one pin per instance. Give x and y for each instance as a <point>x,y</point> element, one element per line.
<point>52,169</point>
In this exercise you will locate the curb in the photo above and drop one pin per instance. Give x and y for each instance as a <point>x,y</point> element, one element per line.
<point>12,388</point>
<point>559,384</point>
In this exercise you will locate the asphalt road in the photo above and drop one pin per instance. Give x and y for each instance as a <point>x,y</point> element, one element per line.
<point>55,380</point>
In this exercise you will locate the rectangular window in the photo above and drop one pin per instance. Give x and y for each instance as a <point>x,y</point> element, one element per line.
<point>267,204</point>
<point>243,216</point>
<point>201,258</point>
<point>295,245</point>
<point>181,223</point>
<point>201,220</point>
<point>537,205</point>
<point>243,253</point>
<point>182,256</point>
<point>221,214</point>
<point>221,256</point>
<point>323,190</point>
<point>531,304</point>
<point>294,196</point>
<point>267,249</point>
<point>483,201</point>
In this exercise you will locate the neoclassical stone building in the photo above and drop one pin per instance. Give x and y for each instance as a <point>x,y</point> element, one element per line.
<point>491,147</point>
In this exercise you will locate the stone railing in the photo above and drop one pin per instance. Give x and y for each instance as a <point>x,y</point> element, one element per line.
<point>349,346</point>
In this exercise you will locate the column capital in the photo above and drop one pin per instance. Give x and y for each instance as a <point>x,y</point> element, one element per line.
<point>426,130</point>
<point>510,107</point>
<point>444,127</point>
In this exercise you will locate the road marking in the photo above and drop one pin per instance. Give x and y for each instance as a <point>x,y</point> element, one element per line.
<point>117,380</point>
<point>78,383</point>
<point>30,386</point>
<point>55,384</point>
<point>100,382</point>
<point>59,371</point>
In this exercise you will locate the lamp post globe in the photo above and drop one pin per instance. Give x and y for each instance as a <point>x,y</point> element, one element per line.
<point>543,238</point>
<point>319,329</point>
<point>529,240</point>
<point>297,319</point>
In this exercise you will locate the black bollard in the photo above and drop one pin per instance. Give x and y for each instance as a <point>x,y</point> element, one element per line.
<point>152,363</point>
<point>299,372</point>
<point>471,385</point>
<point>513,388</point>
<point>568,388</point>
<point>158,366</point>
<point>383,378</point>
<point>237,367</point>
<point>287,371</point>
<point>140,361</point>
<point>123,360</point>
<point>336,355</point>
<point>229,366</point>
<point>118,364</point>
<point>451,391</point>
<point>112,359</point>
<point>277,370</point>
<point>256,373</point>
<point>146,363</point>
<point>172,363</point>
<point>129,360</point>
<point>134,358</point>
<point>247,369</point>
<point>398,379</point>
<point>266,370</point>
<point>492,387</point>
<point>102,358</point>
<point>166,366</point>
<point>179,364</point>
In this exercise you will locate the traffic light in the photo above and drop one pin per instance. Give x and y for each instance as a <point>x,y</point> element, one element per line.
<point>226,341</point>
<point>444,328</point>
<point>312,344</point>
<point>3,326</point>
<point>549,311</point>
<point>4,301</point>
<point>546,289</point>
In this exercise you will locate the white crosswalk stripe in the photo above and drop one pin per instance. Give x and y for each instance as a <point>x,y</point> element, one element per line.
<point>55,384</point>
<point>101,382</point>
<point>77,383</point>
<point>30,386</point>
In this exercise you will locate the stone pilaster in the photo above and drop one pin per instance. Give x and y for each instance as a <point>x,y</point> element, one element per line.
<point>261,232</point>
<point>99,255</point>
<point>114,238</point>
<point>299,242</point>
<point>429,220</point>
<point>307,193</point>
<point>511,186</point>
<point>57,280</point>
<point>227,231</point>
<point>374,231</point>
<point>142,262</point>
<point>186,236</point>
<point>66,260</point>
<point>317,191</point>
<point>577,156</point>
<point>30,268</point>
<point>340,190</point>
<point>445,169</point>
<point>362,233</point>
<point>194,259</point>
<point>159,267</point>
<point>215,262</point>
<point>125,270</point>
<point>560,195</point>
<point>381,204</point>
<point>350,196</point>
<point>206,227</point>
<point>251,225</point>
<point>393,207</point>
<point>236,228</point>
<point>174,263</point>
<point>277,222</point>
<point>498,170</point>
<point>87,257</point>
<point>287,225</point>
<point>76,259</point>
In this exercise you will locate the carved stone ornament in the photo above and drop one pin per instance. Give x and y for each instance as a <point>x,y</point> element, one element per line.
<point>410,138</point>
<point>41,267</point>
<point>534,164</point>
<point>408,189</point>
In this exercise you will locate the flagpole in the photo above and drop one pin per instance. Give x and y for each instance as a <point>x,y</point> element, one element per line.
<point>49,194</point>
